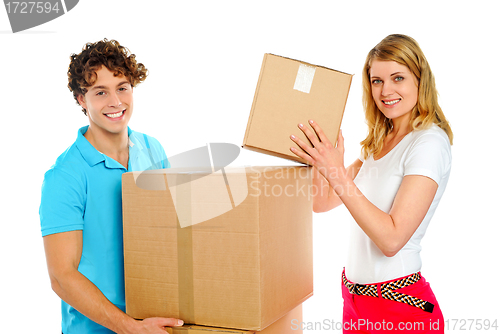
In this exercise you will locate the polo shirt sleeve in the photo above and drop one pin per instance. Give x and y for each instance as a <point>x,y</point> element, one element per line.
<point>62,204</point>
<point>164,160</point>
<point>430,156</point>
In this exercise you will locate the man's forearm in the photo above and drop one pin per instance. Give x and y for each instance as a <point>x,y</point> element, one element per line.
<point>76,290</point>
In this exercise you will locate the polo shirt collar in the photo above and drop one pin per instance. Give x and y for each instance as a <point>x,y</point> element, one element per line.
<point>133,142</point>
<point>93,156</point>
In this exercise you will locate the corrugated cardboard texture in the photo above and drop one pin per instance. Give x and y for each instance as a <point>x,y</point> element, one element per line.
<point>278,107</point>
<point>243,269</point>
<point>289,324</point>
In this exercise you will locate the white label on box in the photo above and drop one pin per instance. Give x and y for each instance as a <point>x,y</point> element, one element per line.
<point>304,79</point>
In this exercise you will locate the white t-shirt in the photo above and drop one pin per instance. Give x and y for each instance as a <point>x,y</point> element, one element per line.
<point>424,152</point>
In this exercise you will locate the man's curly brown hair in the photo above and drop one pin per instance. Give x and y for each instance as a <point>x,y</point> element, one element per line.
<point>83,66</point>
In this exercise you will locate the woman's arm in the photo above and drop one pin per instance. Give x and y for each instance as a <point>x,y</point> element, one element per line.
<point>324,197</point>
<point>389,231</point>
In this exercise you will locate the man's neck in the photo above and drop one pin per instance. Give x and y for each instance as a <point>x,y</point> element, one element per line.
<point>114,145</point>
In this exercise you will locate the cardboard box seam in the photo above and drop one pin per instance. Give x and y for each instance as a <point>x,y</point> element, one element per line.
<point>345,101</point>
<point>310,64</point>
<point>301,163</point>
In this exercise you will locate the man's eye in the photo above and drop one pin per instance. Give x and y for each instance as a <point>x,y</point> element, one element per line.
<point>100,93</point>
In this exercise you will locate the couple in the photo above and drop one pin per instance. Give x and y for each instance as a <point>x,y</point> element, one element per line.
<point>408,142</point>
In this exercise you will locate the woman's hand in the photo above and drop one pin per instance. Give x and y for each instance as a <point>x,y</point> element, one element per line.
<point>328,160</point>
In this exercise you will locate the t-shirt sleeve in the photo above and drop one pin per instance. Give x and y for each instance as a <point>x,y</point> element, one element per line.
<point>430,156</point>
<point>62,204</point>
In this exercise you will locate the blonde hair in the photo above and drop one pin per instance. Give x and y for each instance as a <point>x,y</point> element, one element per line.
<point>405,51</point>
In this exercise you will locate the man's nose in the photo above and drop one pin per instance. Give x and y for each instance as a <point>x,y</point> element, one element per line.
<point>114,100</point>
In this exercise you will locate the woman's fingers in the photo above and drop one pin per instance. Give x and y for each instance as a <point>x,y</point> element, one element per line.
<point>313,138</point>
<point>319,133</point>
<point>300,154</point>
<point>319,147</point>
<point>307,152</point>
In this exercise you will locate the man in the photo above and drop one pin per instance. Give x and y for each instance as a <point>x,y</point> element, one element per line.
<point>80,210</point>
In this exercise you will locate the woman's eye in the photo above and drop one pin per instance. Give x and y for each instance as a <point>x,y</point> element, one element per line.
<point>100,93</point>
<point>398,79</point>
<point>376,81</point>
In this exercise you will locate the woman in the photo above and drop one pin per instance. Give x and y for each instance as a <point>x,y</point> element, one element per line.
<point>391,191</point>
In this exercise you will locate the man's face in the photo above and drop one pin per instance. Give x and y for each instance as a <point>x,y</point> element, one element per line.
<point>109,102</point>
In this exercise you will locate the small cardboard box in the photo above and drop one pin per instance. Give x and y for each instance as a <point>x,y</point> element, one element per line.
<point>289,324</point>
<point>245,266</point>
<point>290,92</point>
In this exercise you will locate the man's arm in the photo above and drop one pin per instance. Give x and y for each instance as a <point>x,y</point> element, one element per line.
<point>63,252</point>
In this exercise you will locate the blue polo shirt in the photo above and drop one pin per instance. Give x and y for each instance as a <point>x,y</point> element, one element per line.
<point>82,191</point>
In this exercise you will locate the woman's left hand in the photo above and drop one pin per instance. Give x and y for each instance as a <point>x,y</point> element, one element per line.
<point>328,160</point>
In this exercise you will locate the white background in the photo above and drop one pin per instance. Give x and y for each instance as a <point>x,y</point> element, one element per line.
<point>204,59</point>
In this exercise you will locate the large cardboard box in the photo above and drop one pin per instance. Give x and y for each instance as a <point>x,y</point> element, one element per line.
<point>288,324</point>
<point>244,268</point>
<point>290,92</point>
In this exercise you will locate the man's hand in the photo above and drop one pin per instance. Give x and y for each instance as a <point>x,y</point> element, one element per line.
<point>156,325</point>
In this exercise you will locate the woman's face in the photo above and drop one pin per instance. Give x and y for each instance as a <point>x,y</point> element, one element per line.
<point>394,88</point>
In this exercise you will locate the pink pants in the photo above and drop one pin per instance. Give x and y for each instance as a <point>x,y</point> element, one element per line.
<point>366,314</point>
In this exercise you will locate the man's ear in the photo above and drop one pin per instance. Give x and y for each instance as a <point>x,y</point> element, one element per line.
<point>81,101</point>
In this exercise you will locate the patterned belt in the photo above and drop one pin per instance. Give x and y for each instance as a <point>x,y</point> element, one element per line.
<point>387,291</point>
